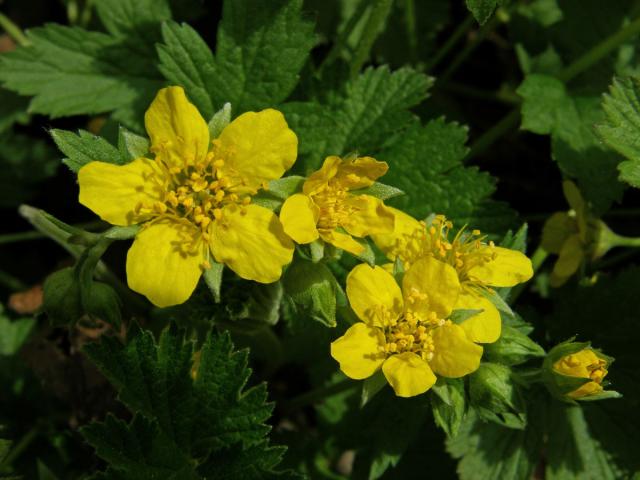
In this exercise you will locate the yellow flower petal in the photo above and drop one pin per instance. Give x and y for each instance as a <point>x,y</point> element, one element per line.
<point>455,355</point>
<point>372,292</point>
<point>164,262</point>
<point>113,191</point>
<point>485,327</point>
<point>343,241</point>
<point>557,229</point>
<point>371,216</point>
<point>508,267</point>
<point>408,374</point>
<point>407,240</point>
<point>257,147</point>
<point>577,364</point>
<point>320,178</point>
<point>358,351</point>
<point>570,258</point>
<point>360,173</point>
<point>251,241</point>
<point>434,280</point>
<point>178,132</point>
<point>589,388</point>
<point>299,216</point>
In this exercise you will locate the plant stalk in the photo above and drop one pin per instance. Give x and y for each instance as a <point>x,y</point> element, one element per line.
<point>373,28</point>
<point>14,31</point>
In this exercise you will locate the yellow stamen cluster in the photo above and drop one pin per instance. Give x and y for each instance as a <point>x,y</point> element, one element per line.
<point>433,240</point>
<point>334,212</point>
<point>196,191</point>
<point>412,332</point>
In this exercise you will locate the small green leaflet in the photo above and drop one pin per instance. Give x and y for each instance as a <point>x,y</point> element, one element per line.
<point>371,109</point>
<point>85,147</point>
<point>621,130</point>
<point>193,417</point>
<point>482,9</point>
<point>260,50</point>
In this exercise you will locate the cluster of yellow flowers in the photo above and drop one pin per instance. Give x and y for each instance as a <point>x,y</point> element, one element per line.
<point>194,203</point>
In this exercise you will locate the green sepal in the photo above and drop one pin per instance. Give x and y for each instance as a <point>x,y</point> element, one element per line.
<point>371,386</point>
<point>219,121</point>
<point>213,279</point>
<point>368,255</point>
<point>460,315</point>
<point>380,191</point>
<point>278,191</point>
<point>61,299</point>
<point>131,145</point>
<point>122,233</point>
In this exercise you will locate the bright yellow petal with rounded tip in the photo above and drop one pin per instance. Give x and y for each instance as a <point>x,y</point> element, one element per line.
<point>165,262</point>
<point>113,191</point>
<point>431,286</point>
<point>484,327</point>
<point>557,229</point>
<point>359,351</point>
<point>454,355</point>
<point>408,374</point>
<point>299,216</point>
<point>374,295</point>
<point>506,269</point>
<point>407,240</point>
<point>570,258</point>
<point>342,240</point>
<point>179,134</point>
<point>360,173</point>
<point>257,147</point>
<point>371,216</point>
<point>250,240</point>
<point>320,178</point>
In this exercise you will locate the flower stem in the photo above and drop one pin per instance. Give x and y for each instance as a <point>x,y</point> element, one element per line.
<point>20,447</point>
<point>373,28</point>
<point>14,31</point>
<point>318,394</point>
<point>590,58</point>
<point>341,41</point>
<point>455,37</point>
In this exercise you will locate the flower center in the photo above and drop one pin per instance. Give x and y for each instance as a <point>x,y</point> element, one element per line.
<point>412,332</point>
<point>196,191</point>
<point>465,251</point>
<point>334,211</point>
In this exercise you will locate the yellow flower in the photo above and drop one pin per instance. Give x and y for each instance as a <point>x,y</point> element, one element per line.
<point>478,265</point>
<point>405,331</point>
<point>194,198</point>
<point>325,207</point>
<point>583,364</point>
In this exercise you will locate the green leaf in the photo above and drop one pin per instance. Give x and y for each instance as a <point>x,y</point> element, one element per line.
<point>512,348</point>
<point>482,9</point>
<point>191,420</point>
<point>488,451</point>
<point>71,71</point>
<point>621,130</point>
<point>371,386</point>
<point>549,109</point>
<point>136,20</point>
<point>260,49</point>
<point>13,333</point>
<point>574,451</point>
<point>84,147</point>
<point>371,109</point>
<point>426,163</point>
<point>496,396</point>
<point>312,287</point>
<point>448,403</point>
